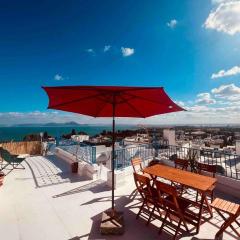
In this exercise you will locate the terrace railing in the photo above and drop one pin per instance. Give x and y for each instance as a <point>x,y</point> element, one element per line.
<point>80,151</point>
<point>123,156</point>
<point>227,164</point>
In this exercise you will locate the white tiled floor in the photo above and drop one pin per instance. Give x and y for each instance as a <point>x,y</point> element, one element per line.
<point>46,202</point>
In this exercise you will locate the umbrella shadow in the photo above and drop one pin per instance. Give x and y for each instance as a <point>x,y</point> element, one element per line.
<point>95,187</point>
<point>134,229</point>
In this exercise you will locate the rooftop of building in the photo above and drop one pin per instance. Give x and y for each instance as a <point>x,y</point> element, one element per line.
<point>47,201</point>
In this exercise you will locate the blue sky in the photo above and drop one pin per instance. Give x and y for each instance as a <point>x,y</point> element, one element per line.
<point>191,48</point>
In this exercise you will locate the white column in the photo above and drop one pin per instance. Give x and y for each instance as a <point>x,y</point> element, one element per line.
<point>169,134</point>
<point>238,147</point>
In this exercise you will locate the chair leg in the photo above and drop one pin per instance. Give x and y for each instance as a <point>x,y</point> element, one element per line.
<point>212,196</point>
<point>164,220</point>
<point>178,226</point>
<point>226,224</point>
<point>236,221</point>
<point>197,197</point>
<point>150,216</point>
<point>140,210</point>
<point>208,207</point>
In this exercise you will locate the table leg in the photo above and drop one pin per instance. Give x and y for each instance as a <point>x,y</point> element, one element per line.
<point>200,212</point>
<point>208,206</point>
<point>154,180</point>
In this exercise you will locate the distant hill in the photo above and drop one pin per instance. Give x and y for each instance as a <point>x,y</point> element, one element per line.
<point>51,124</point>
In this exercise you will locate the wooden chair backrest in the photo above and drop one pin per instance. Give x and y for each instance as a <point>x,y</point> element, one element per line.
<point>137,164</point>
<point>207,167</point>
<point>143,185</point>
<point>181,164</point>
<point>167,195</point>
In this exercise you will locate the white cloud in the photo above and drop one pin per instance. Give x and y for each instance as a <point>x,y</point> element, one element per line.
<point>205,98</point>
<point>225,18</point>
<point>90,50</point>
<point>226,90</point>
<point>58,77</point>
<point>221,1</point>
<point>224,73</point>
<point>172,23</point>
<point>198,108</point>
<point>106,48</point>
<point>126,52</point>
<point>180,103</point>
<point>229,92</point>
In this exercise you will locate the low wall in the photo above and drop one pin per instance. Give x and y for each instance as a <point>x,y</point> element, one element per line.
<point>84,169</point>
<point>68,157</point>
<point>17,148</point>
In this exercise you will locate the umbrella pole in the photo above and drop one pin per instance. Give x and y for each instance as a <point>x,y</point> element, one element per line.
<point>113,153</point>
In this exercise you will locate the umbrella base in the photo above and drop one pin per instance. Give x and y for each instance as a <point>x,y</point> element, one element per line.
<point>112,223</point>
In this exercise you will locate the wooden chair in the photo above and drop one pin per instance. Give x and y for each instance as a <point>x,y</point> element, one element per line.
<point>183,165</point>
<point>173,204</point>
<point>147,192</point>
<point>233,210</point>
<point>210,169</point>
<point>2,175</point>
<point>138,167</point>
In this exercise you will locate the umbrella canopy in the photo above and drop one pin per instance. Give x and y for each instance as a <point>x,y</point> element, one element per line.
<point>111,101</point>
<point>98,101</point>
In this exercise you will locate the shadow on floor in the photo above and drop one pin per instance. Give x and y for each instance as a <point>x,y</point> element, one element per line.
<point>137,229</point>
<point>50,170</point>
<point>134,229</point>
<point>95,187</point>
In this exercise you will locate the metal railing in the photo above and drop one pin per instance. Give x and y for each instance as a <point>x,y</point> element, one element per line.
<point>227,164</point>
<point>123,156</point>
<point>81,151</point>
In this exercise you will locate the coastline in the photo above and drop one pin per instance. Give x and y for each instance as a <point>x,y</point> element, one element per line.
<point>18,133</point>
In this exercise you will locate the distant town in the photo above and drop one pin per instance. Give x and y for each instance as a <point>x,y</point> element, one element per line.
<point>224,139</point>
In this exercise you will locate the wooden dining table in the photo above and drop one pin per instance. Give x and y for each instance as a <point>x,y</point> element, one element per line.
<point>192,180</point>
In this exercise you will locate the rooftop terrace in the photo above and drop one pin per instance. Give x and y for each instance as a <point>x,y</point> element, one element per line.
<point>46,201</point>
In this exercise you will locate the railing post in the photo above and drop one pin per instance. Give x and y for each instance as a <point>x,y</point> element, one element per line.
<point>93,158</point>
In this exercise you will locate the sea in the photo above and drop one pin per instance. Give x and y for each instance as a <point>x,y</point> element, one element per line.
<point>18,133</point>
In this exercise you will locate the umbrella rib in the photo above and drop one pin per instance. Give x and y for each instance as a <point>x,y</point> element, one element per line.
<point>132,107</point>
<point>149,100</point>
<point>75,100</point>
<point>100,109</point>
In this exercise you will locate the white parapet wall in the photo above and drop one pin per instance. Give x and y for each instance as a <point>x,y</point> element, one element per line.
<point>66,156</point>
<point>90,171</point>
<point>230,186</point>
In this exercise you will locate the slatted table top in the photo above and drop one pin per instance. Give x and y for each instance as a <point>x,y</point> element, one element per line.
<point>189,179</point>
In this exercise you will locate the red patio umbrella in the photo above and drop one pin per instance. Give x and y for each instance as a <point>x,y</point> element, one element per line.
<point>111,101</point>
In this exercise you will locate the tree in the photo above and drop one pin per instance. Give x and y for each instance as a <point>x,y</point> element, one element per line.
<point>45,135</point>
<point>73,132</point>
